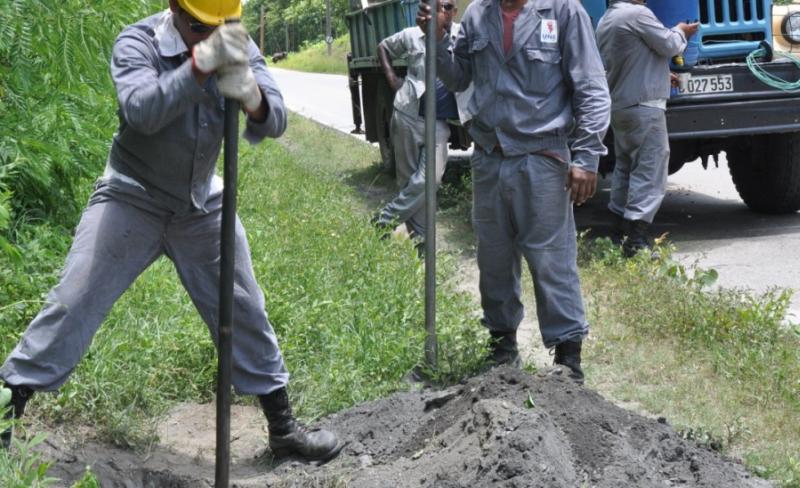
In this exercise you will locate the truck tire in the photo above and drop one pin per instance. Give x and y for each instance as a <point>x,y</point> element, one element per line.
<point>766,172</point>
<point>384,99</point>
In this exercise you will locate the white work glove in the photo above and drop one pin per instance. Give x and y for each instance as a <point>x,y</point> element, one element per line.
<point>226,45</point>
<point>238,82</point>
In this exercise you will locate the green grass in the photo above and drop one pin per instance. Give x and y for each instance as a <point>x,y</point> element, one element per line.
<point>314,58</point>
<point>719,364</point>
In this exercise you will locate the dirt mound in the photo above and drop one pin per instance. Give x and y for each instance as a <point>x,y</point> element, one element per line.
<point>506,428</point>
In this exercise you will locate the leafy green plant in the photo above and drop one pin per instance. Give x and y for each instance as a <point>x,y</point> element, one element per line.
<point>56,104</point>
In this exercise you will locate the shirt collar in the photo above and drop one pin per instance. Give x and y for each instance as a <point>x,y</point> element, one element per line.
<point>170,42</point>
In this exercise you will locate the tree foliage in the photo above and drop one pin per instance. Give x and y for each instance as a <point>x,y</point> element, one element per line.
<point>304,20</point>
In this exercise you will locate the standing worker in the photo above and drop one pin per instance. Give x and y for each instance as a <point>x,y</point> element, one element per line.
<point>540,110</point>
<point>636,49</point>
<point>159,196</point>
<point>408,124</point>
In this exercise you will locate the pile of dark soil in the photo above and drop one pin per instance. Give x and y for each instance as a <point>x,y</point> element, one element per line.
<point>505,428</point>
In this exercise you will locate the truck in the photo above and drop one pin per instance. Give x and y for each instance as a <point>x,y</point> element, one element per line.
<point>726,103</point>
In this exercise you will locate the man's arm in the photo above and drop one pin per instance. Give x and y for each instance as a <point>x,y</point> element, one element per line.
<point>666,42</point>
<point>591,103</point>
<point>149,100</point>
<point>388,49</point>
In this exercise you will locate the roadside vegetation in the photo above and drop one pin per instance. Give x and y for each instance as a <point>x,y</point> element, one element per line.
<point>314,57</point>
<point>718,364</point>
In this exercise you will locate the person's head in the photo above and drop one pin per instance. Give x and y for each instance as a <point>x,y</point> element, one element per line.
<point>197,19</point>
<point>447,12</point>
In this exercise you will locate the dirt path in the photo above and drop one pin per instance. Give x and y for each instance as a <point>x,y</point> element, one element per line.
<point>505,428</point>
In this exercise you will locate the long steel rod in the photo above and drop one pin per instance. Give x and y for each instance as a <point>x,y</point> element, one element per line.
<point>227,248</point>
<point>431,345</point>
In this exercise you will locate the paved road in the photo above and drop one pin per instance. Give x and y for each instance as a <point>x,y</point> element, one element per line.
<point>702,211</point>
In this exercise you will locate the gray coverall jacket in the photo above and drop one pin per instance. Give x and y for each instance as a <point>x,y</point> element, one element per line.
<point>531,107</point>
<point>159,196</point>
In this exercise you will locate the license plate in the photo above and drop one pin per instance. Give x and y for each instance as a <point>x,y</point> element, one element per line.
<point>707,84</point>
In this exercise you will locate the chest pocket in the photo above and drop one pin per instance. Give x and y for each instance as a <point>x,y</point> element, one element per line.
<point>542,69</point>
<point>415,60</point>
<point>480,58</point>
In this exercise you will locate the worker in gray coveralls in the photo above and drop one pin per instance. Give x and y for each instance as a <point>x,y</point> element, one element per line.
<point>159,196</point>
<point>636,49</point>
<point>540,94</point>
<point>408,124</point>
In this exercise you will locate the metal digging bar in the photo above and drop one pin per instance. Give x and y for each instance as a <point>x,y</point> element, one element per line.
<point>227,248</point>
<point>431,347</point>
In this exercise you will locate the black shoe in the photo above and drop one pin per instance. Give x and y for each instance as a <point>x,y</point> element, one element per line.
<point>289,437</point>
<point>638,238</point>
<point>19,398</point>
<point>568,354</point>
<point>503,350</point>
<point>384,229</point>
<point>619,230</point>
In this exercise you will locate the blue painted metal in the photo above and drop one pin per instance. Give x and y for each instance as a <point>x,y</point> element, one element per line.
<point>725,24</point>
<point>595,9</point>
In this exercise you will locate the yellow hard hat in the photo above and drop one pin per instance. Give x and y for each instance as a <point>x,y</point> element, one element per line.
<point>212,12</point>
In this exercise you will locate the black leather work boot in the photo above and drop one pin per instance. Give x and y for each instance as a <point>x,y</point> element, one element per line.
<point>287,436</point>
<point>638,238</point>
<point>619,229</point>
<point>503,349</point>
<point>19,398</point>
<point>568,354</point>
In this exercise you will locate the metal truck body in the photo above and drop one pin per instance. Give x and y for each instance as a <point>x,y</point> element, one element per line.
<point>725,107</point>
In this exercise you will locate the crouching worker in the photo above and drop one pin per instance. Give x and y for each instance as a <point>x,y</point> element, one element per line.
<point>408,124</point>
<point>159,196</point>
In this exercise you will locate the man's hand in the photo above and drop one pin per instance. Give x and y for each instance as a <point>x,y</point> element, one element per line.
<point>227,45</point>
<point>424,15</point>
<point>581,185</point>
<point>688,29</point>
<point>238,82</point>
<point>673,80</point>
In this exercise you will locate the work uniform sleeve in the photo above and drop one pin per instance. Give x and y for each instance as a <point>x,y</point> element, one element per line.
<point>275,123</point>
<point>453,63</point>
<point>396,45</point>
<point>149,100</point>
<point>666,42</point>
<point>591,103</point>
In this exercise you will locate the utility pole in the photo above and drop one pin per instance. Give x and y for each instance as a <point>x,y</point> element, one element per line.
<point>328,38</point>
<point>261,30</point>
<point>286,30</point>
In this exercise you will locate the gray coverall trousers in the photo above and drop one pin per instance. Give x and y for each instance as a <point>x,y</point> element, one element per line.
<point>121,232</point>
<point>641,143</point>
<point>520,208</point>
<point>408,138</point>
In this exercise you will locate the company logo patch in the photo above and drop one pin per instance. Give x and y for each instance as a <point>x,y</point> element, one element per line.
<point>549,31</point>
